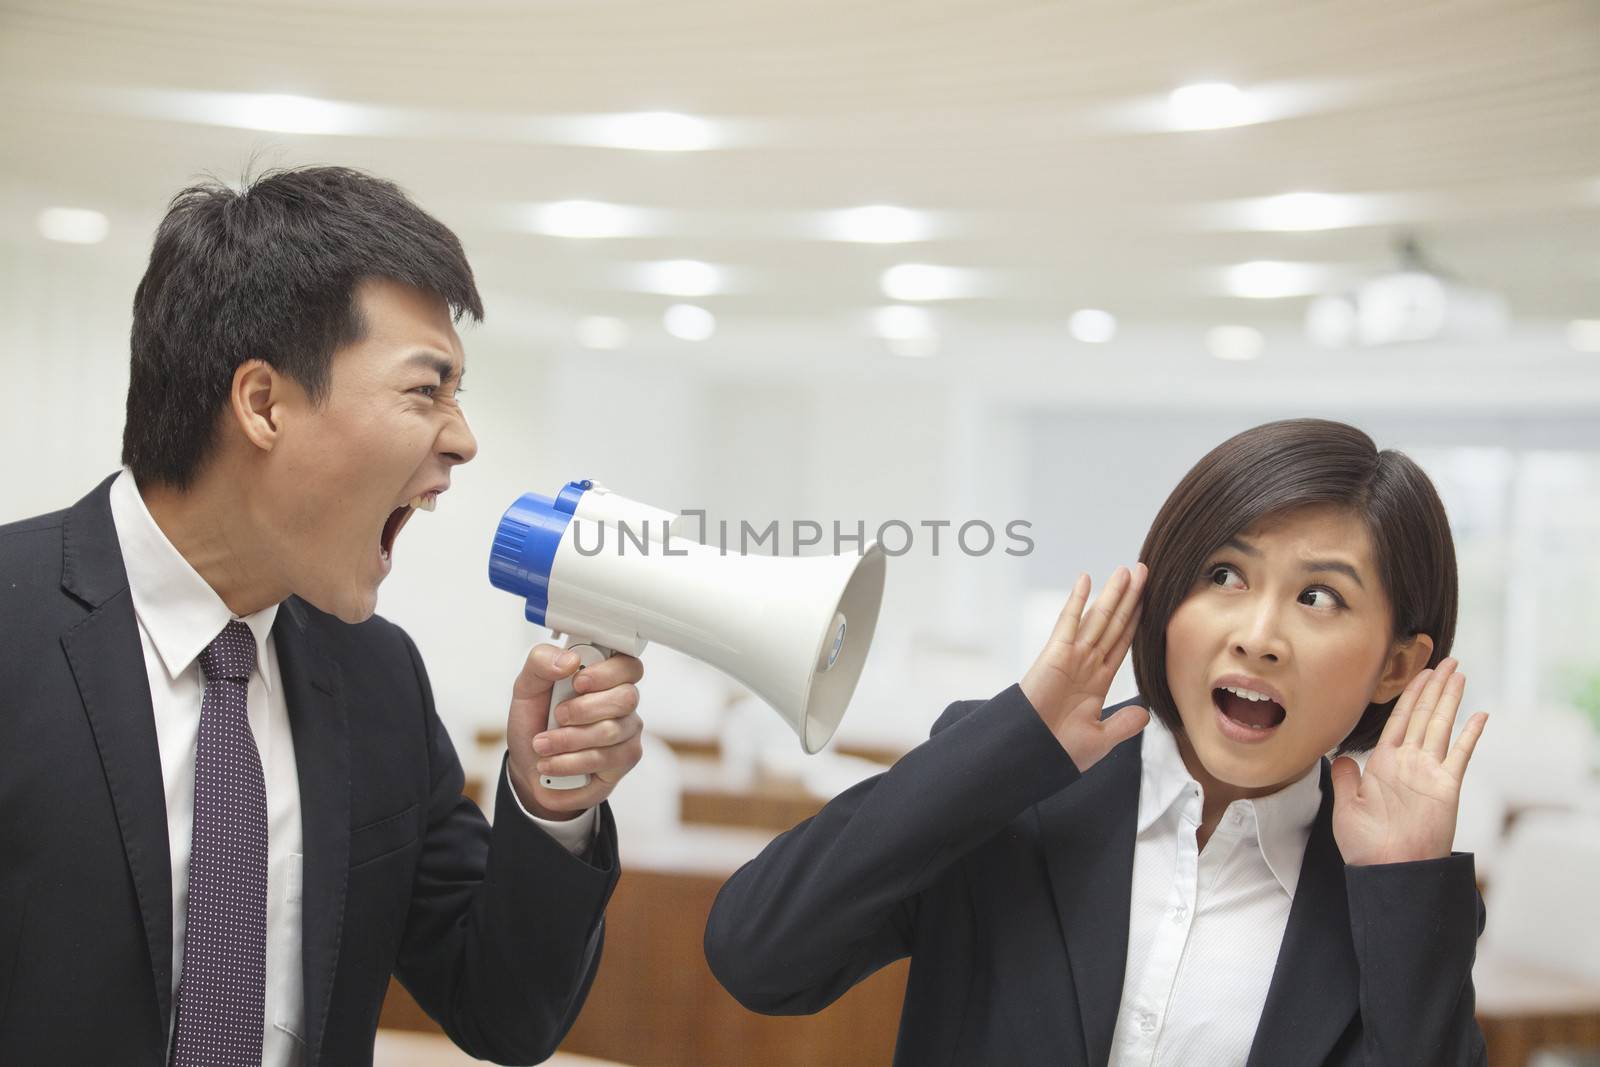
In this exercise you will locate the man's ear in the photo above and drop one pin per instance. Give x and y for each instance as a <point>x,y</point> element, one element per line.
<point>257,393</point>
<point>1408,657</point>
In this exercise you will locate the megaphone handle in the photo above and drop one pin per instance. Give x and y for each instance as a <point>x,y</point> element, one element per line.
<point>589,654</point>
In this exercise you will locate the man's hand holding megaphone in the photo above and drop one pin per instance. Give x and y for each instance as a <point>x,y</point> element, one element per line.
<point>1067,684</point>
<point>595,732</point>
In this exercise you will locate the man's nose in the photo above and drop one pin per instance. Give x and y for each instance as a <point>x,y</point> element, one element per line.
<point>457,444</point>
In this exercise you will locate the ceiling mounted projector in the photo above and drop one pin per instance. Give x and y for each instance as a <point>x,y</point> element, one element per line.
<point>1415,303</point>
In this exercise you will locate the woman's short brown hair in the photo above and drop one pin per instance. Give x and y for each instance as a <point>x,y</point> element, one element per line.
<point>1269,471</point>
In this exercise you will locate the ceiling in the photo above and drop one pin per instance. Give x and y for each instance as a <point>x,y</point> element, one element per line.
<point>1025,128</point>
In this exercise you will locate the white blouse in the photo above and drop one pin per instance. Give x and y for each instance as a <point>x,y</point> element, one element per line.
<point>1204,926</point>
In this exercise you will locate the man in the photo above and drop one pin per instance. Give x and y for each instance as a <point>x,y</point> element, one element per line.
<point>228,809</point>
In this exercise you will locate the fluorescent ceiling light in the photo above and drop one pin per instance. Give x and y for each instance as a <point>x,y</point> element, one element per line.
<point>876,224</point>
<point>679,277</point>
<point>1214,105</point>
<point>689,323</point>
<point>654,131</point>
<point>1093,326</point>
<point>273,112</point>
<point>921,281</point>
<point>73,225</point>
<point>602,332</point>
<point>586,218</point>
<point>646,131</point>
<point>1584,334</point>
<point>1267,279</point>
<point>1301,212</point>
<point>1210,106</point>
<point>1236,343</point>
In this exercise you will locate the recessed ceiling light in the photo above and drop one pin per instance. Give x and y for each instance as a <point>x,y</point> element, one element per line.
<point>1210,106</point>
<point>585,218</point>
<point>680,277</point>
<point>1093,326</point>
<point>1300,212</point>
<point>1237,343</point>
<point>876,224</point>
<point>1267,279</point>
<point>602,331</point>
<point>921,281</point>
<point>1584,334</point>
<point>688,322</point>
<point>73,225</point>
<point>647,131</point>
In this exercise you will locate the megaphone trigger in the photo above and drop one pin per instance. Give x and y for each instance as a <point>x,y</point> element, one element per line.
<point>589,654</point>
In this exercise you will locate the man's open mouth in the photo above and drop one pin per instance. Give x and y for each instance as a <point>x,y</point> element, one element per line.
<point>398,518</point>
<point>1248,708</point>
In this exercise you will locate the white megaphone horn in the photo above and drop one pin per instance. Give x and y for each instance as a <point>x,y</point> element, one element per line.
<point>613,574</point>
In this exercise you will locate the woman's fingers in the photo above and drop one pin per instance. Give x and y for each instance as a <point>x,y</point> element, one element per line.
<point>1443,720</point>
<point>1461,751</point>
<point>1098,618</point>
<point>1067,622</point>
<point>1394,731</point>
<point>1125,608</point>
<point>1427,701</point>
<point>1124,723</point>
<point>1124,642</point>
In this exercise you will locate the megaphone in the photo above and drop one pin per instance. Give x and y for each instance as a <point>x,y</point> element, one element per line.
<point>612,574</point>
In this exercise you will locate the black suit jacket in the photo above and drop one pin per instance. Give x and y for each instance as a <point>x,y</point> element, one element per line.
<point>1006,875</point>
<point>495,932</point>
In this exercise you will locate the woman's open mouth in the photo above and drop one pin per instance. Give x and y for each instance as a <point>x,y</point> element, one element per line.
<point>1245,715</point>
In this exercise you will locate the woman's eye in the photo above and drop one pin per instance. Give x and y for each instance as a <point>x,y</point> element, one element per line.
<point>1220,575</point>
<point>1330,598</point>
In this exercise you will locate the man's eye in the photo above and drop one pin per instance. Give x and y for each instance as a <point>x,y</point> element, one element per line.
<point>427,390</point>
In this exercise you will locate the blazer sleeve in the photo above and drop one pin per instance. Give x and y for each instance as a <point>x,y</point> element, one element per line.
<point>505,926</point>
<point>1415,927</point>
<point>834,899</point>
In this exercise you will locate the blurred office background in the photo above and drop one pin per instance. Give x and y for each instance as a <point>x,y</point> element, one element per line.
<point>931,262</point>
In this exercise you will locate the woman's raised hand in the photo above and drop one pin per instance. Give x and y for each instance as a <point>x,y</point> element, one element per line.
<point>1067,684</point>
<point>1404,807</point>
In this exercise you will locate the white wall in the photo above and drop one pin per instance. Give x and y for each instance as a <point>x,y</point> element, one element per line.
<point>793,425</point>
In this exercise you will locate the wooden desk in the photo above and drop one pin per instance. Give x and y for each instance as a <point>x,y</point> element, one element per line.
<point>654,1002</point>
<point>401,1048</point>
<point>1523,1011</point>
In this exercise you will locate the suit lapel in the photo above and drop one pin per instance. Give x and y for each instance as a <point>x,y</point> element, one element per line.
<point>107,661</point>
<point>312,688</point>
<point>1315,984</point>
<point>1087,831</point>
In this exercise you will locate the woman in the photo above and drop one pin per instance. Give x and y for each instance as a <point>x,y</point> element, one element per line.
<point>1074,888</point>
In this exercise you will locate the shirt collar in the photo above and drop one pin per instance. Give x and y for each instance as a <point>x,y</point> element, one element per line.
<point>178,609</point>
<point>1282,820</point>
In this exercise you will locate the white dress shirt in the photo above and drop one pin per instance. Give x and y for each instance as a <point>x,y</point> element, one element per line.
<point>1204,927</point>
<point>179,615</point>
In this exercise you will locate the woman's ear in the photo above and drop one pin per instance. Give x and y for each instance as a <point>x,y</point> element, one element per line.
<point>1406,659</point>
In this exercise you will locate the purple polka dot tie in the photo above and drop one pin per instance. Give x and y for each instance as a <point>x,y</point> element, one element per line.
<point>222,991</point>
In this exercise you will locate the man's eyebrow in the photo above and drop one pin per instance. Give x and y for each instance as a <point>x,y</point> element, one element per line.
<point>445,368</point>
<point>1334,565</point>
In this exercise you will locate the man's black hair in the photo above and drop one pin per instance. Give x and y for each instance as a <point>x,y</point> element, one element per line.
<point>266,272</point>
